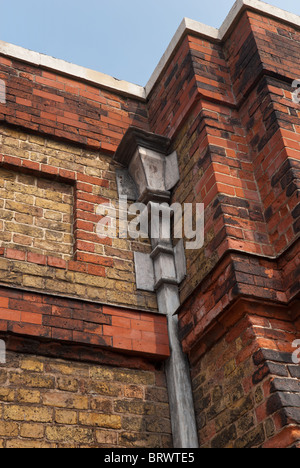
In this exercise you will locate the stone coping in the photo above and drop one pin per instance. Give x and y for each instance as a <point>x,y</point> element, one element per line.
<point>187,26</point>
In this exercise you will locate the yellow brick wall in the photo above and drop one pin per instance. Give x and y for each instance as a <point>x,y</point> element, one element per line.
<point>36,215</point>
<point>51,403</point>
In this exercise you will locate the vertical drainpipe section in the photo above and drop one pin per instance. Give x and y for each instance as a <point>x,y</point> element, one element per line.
<point>149,173</point>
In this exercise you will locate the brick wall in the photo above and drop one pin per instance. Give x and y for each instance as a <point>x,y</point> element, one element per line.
<point>229,111</point>
<point>52,403</point>
<point>227,108</point>
<point>36,215</point>
<point>246,386</point>
<point>49,200</point>
<point>83,323</point>
<point>66,108</point>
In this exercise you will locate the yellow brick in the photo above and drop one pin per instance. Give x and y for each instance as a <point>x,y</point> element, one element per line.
<point>37,140</point>
<point>100,420</point>
<point>120,275</point>
<point>32,431</point>
<point>19,190</point>
<point>67,384</point>
<point>7,394</point>
<point>101,373</point>
<point>55,236</point>
<point>134,377</point>
<point>102,405</point>
<point>26,230</point>
<point>31,281</point>
<point>8,429</point>
<point>53,215</point>
<point>133,391</point>
<point>29,396</point>
<point>53,196</point>
<point>9,141</point>
<point>32,365</point>
<point>7,195</point>
<point>54,206</point>
<point>16,152</point>
<point>125,287</point>
<point>61,368</point>
<point>107,437</point>
<point>65,400</point>
<point>27,413</point>
<point>7,175</point>
<point>97,294</point>
<point>94,281</point>
<point>54,247</point>
<point>66,417</point>
<point>27,179</point>
<point>32,380</point>
<point>99,249</point>
<point>23,198</point>
<point>24,219</point>
<point>30,444</point>
<point>67,434</point>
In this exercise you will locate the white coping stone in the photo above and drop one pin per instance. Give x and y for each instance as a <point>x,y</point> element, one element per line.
<point>124,87</point>
<point>75,71</point>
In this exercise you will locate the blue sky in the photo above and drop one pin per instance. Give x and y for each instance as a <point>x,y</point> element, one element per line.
<point>123,38</point>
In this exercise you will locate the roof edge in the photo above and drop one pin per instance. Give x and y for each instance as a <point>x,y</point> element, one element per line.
<point>129,89</point>
<point>218,35</point>
<point>71,70</point>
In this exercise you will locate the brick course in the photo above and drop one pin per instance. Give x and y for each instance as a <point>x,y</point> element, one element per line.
<point>83,323</point>
<point>51,403</point>
<point>227,108</point>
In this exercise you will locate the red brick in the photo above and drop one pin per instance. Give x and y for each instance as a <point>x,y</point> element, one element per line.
<point>97,259</point>
<point>4,302</point>
<point>28,317</point>
<point>15,254</point>
<point>36,258</point>
<point>96,270</point>
<point>11,315</point>
<point>56,262</point>
<point>47,95</point>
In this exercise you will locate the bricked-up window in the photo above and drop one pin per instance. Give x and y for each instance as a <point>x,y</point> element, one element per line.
<point>36,214</point>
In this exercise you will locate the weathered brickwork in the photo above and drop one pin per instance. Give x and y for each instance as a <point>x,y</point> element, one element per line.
<point>64,186</point>
<point>36,215</point>
<point>246,386</point>
<point>71,296</point>
<point>51,403</point>
<point>237,137</point>
<point>63,107</point>
<point>83,323</point>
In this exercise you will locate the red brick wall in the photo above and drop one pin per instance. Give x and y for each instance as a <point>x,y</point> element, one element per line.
<point>246,386</point>
<point>66,108</point>
<point>111,328</point>
<point>237,138</point>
